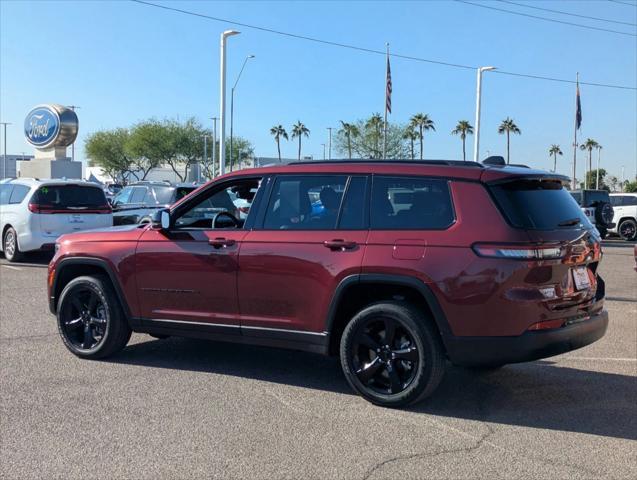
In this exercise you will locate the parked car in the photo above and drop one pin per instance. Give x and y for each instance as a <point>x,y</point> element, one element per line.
<point>137,202</point>
<point>410,264</point>
<point>625,218</point>
<point>112,189</point>
<point>597,207</point>
<point>34,213</point>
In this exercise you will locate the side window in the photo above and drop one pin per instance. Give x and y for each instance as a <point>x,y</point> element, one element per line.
<point>310,202</point>
<point>616,200</point>
<point>414,203</point>
<point>354,205</point>
<point>234,199</point>
<point>149,198</point>
<point>123,196</point>
<point>18,194</point>
<point>5,193</point>
<point>629,201</point>
<point>138,195</point>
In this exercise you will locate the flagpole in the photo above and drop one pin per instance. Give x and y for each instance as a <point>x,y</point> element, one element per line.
<point>385,124</point>
<point>573,185</point>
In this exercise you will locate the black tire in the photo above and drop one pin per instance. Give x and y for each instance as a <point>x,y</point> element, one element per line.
<point>10,246</point>
<point>604,213</point>
<point>397,380</point>
<point>90,318</point>
<point>628,229</point>
<point>603,232</point>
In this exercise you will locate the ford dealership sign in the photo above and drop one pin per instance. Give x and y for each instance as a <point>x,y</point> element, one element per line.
<point>48,126</point>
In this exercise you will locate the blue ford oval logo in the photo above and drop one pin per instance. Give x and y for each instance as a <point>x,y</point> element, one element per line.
<point>42,126</point>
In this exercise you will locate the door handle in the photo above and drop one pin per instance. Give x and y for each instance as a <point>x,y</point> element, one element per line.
<point>220,242</point>
<point>339,244</point>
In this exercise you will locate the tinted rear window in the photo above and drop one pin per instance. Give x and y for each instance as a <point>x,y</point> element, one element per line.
<point>538,205</point>
<point>592,197</point>
<point>65,196</point>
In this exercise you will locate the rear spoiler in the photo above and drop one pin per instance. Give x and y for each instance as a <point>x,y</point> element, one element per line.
<point>494,176</point>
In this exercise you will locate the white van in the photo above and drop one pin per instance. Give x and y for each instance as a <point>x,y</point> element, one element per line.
<point>34,213</point>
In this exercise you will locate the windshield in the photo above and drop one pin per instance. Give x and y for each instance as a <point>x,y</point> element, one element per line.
<point>69,196</point>
<point>537,205</point>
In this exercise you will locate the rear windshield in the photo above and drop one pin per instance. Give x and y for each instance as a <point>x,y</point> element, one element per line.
<point>69,196</point>
<point>592,197</point>
<point>537,205</point>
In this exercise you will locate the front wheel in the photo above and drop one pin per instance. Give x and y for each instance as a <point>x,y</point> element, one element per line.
<point>90,318</point>
<point>628,229</point>
<point>392,355</point>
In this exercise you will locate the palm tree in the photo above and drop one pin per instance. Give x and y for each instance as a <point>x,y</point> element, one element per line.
<point>411,135</point>
<point>508,126</point>
<point>298,130</point>
<point>422,122</point>
<point>589,145</point>
<point>463,129</point>
<point>278,131</point>
<point>375,123</point>
<point>555,150</point>
<point>349,130</point>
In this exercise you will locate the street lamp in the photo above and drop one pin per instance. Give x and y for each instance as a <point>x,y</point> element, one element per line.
<point>476,137</point>
<point>330,143</point>
<point>4,158</point>
<point>222,99</point>
<point>323,145</point>
<point>599,155</point>
<point>232,107</point>
<point>214,145</point>
<point>205,157</point>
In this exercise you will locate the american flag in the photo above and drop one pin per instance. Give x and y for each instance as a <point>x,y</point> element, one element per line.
<point>578,109</point>
<point>388,89</point>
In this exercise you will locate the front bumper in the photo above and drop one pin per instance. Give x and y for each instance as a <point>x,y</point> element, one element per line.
<point>485,351</point>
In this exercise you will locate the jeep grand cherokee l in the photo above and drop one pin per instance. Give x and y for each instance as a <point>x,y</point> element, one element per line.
<point>404,266</point>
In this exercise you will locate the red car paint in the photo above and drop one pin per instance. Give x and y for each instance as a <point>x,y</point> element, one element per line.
<point>288,280</point>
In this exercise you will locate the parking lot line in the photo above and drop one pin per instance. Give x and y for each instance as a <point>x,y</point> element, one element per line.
<point>11,267</point>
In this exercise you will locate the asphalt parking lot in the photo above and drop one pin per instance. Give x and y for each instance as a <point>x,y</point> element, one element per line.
<point>181,408</point>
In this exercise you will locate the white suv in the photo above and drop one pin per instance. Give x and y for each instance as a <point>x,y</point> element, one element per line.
<point>625,206</point>
<point>34,213</point>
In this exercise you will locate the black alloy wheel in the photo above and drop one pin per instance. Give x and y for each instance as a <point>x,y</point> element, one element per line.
<point>628,229</point>
<point>391,354</point>
<point>90,318</point>
<point>385,356</point>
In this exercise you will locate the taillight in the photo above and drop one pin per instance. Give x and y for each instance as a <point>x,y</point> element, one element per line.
<point>519,252</point>
<point>34,208</point>
<point>546,325</point>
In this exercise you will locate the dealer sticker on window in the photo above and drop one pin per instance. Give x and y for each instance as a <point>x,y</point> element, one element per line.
<point>580,276</point>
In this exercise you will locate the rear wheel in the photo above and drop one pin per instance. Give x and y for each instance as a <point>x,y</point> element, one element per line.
<point>628,229</point>
<point>90,318</point>
<point>392,354</point>
<point>10,246</point>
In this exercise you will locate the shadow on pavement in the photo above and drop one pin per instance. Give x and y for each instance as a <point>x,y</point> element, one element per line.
<point>541,395</point>
<point>35,259</point>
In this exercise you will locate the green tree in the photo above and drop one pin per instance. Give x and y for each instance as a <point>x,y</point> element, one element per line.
<point>422,123</point>
<point>555,150</point>
<point>349,131</point>
<point>153,143</point>
<point>463,128</point>
<point>277,132</point>
<point>367,142</point>
<point>591,177</point>
<point>374,129</point>
<point>508,126</point>
<point>298,131</point>
<point>589,145</point>
<point>630,187</point>
<point>411,136</point>
<point>107,149</point>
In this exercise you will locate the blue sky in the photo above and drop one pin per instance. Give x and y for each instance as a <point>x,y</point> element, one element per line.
<point>123,62</point>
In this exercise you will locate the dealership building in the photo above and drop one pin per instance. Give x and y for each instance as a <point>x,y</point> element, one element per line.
<point>9,166</point>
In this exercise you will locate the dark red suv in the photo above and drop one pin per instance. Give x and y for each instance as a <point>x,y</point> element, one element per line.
<point>398,267</point>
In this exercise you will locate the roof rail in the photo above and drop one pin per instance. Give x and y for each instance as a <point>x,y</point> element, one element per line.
<point>457,163</point>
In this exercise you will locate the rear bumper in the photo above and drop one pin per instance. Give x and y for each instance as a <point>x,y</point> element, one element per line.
<point>476,351</point>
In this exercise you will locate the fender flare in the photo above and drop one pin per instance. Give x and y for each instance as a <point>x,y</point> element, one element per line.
<point>96,262</point>
<point>389,279</point>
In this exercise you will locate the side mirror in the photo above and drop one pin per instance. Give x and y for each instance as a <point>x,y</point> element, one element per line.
<point>165,219</point>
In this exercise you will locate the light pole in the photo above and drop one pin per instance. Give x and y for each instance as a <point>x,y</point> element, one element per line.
<point>214,145</point>
<point>222,99</point>
<point>476,136</point>
<point>599,155</point>
<point>323,150</point>
<point>232,107</point>
<point>330,143</point>
<point>205,153</point>
<point>4,157</point>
